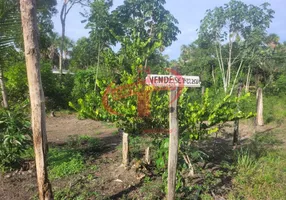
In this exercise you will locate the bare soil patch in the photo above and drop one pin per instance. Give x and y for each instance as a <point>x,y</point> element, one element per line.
<point>61,127</point>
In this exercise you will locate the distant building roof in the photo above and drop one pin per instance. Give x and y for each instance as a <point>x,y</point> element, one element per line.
<point>64,71</point>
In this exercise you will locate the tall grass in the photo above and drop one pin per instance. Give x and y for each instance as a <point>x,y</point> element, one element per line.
<point>261,170</point>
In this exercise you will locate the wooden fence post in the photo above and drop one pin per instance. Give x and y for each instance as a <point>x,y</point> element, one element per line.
<point>173,81</point>
<point>173,145</point>
<point>125,150</point>
<point>203,91</point>
<point>259,102</point>
<point>147,156</point>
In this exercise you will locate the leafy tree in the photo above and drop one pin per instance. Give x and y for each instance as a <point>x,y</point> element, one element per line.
<point>269,62</point>
<point>135,50</point>
<point>53,51</point>
<point>84,54</point>
<point>46,9</point>
<point>143,27</point>
<point>11,34</point>
<point>235,30</point>
<point>149,18</point>
<point>100,24</point>
<point>110,28</point>
<point>197,59</point>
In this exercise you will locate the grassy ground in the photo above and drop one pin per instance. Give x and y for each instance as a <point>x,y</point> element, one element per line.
<point>261,169</point>
<point>255,170</point>
<point>89,168</point>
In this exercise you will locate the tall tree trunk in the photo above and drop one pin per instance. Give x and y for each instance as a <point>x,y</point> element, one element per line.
<point>3,90</point>
<point>32,55</point>
<point>213,74</point>
<point>257,79</point>
<point>96,74</point>
<point>221,67</point>
<point>62,49</point>
<point>237,73</point>
<point>229,61</point>
<point>63,23</point>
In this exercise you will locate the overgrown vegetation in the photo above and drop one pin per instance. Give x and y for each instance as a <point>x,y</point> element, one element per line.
<point>258,163</point>
<point>64,162</point>
<point>260,169</point>
<point>234,55</point>
<point>15,137</point>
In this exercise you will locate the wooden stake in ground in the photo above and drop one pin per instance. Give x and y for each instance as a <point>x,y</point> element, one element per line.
<point>32,55</point>
<point>259,100</point>
<point>125,150</point>
<point>203,91</point>
<point>147,156</point>
<point>3,90</point>
<point>173,145</point>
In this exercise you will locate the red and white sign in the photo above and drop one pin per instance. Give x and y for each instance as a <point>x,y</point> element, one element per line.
<point>172,81</point>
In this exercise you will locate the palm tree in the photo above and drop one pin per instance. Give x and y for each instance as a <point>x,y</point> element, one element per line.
<point>9,24</point>
<point>54,50</point>
<point>272,40</point>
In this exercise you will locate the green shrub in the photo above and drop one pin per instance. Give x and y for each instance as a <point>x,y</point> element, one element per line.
<point>15,137</point>
<point>278,87</point>
<point>274,108</point>
<point>16,82</point>
<point>198,116</point>
<point>57,89</point>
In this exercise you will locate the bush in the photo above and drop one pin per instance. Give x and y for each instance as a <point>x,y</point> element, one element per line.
<point>16,82</point>
<point>274,108</point>
<point>123,100</point>
<point>57,89</point>
<point>15,137</point>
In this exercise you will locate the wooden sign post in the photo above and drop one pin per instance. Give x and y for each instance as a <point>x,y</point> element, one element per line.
<point>173,81</point>
<point>173,144</point>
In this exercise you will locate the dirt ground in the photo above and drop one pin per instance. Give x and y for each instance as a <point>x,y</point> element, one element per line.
<point>21,184</point>
<point>61,127</point>
<point>111,179</point>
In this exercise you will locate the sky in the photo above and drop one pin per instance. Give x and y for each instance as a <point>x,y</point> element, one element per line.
<point>187,12</point>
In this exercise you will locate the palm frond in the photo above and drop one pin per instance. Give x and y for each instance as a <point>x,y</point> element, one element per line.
<point>10,22</point>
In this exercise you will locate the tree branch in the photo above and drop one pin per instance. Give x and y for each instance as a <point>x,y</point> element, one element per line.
<point>234,81</point>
